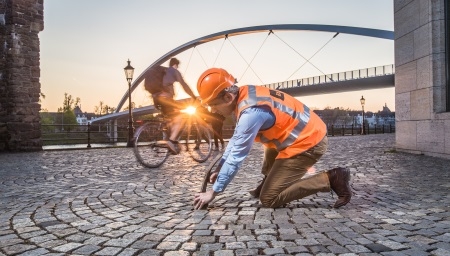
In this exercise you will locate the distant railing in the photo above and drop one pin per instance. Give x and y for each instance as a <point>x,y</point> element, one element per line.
<point>103,135</point>
<point>57,134</point>
<point>343,130</point>
<point>335,77</point>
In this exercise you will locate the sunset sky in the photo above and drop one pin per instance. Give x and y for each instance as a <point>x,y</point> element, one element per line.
<point>85,45</point>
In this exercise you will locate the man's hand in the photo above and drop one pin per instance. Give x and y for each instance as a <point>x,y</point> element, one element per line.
<point>204,198</point>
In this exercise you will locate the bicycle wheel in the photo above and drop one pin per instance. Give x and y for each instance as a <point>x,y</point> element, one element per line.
<point>210,169</point>
<point>150,148</point>
<point>199,142</point>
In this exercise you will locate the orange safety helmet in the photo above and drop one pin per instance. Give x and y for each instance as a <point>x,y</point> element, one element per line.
<point>212,82</point>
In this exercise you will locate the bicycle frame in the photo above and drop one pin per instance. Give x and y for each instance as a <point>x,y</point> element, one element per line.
<point>151,148</point>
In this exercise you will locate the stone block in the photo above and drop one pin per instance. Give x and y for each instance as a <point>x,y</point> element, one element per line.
<point>422,42</point>
<point>437,40</point>
<point>399,4</point>
<point>437,10</point>
<point>430,136</point>
<point>424,79</point>
<point>447,136</point>
<point>404,49</point>
<point>439,82</point>
<point>406,77</point>
<point>37,26</point>
<point>406,19</point>
<point>421,104</point>
<point>439,103</point>
<point>438,69</point>
<point>405,135</point>
<point>424,12</point>
<point>402,106</point>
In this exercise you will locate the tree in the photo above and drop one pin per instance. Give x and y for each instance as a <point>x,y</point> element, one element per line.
<point>47,121</point>
<point>77,102</point>
<point>103,109</point>
<point>342,116</point>
<point>332,116</point>
<point>98,109</point>
<point>41,95</point>
<point>133,106</point>
<point>107,109</point>
<point>69,103</point>
<point>68,117</point>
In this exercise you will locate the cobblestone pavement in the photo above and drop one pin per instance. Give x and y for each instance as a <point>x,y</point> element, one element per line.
<point>101,202</point>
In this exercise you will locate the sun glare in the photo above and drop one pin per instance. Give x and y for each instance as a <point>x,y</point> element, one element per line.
<point>189,110</point>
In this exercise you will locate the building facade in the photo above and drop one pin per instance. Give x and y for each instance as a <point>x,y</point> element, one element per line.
<point>421,76</point>
<point>83,118</point>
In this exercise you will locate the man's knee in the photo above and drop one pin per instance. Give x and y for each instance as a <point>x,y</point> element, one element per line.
<point>268,201</point>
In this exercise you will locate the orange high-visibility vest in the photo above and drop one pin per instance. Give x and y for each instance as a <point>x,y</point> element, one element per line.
<point>296,128</point>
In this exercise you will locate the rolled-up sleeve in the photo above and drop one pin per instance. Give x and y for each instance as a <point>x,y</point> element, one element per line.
<point>250,122</point>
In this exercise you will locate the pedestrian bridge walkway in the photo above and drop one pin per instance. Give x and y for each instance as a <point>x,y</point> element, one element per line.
<point>101,202</point>
<point>361,79</point>
<point>354,80</point>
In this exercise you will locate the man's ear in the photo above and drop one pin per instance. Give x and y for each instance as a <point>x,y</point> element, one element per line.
<point>228,97</point>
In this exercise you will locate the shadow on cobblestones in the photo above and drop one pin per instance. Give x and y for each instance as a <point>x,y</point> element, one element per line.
<point>101,202</point>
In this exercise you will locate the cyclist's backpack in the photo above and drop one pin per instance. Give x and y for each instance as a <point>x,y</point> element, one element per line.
<point>154,79</point>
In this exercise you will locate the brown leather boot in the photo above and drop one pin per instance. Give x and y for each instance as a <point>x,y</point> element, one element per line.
<point>255,192</point>
<point>340,183</point>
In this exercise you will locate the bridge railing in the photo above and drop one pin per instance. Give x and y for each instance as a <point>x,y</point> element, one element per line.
<point>335,77</point>
<point>99,135</point>
<point>345,130</point>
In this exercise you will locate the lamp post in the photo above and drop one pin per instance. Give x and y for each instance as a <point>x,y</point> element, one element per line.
<point>129,70</point>
<point>363,101</point>
<point>62,120</point>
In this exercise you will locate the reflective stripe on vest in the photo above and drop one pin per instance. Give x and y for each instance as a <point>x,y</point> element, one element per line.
<point>303,117</point>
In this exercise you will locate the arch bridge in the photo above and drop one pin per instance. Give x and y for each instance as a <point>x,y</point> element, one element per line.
<point>362,79</point>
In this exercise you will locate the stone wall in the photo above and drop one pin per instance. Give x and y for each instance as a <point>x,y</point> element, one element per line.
<point>20,23</point>
<point>422,121</point>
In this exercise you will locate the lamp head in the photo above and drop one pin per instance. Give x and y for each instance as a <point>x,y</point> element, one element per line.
<point>129,70</point>
<point>363,101</point>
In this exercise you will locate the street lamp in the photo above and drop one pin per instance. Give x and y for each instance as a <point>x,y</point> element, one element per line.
<point>363,101</point>
<point>129,70</point>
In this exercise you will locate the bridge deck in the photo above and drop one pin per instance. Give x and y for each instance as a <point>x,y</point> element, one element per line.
<point>361,79</point>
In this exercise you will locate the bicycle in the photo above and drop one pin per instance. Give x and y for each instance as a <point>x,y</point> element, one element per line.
<point>212,168</point>
<point>150,140</point>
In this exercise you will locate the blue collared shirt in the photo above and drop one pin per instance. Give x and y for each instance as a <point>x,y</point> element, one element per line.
<point>251,120</point>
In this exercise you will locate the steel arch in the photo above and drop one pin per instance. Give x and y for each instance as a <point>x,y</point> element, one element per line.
<point>377,33</point>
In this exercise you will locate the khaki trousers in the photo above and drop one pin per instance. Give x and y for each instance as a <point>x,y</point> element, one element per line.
<point>284,182</point>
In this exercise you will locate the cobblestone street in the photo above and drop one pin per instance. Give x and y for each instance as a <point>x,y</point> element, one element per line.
<point>102,202</point>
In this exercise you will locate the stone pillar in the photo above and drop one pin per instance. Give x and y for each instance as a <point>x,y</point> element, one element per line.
<point>20,23</point>
<point>422,120</point>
